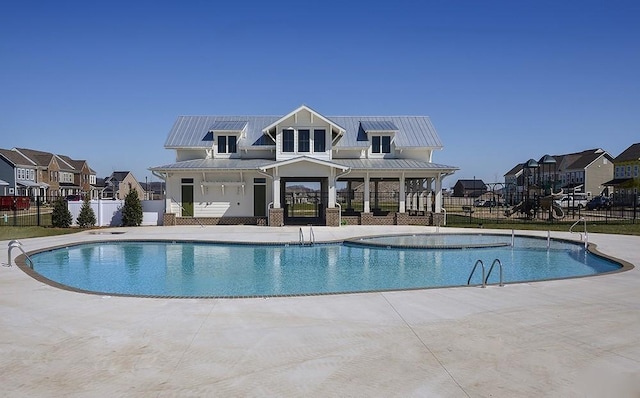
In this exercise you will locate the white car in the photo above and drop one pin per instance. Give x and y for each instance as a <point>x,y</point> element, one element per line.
<point>573,201</point>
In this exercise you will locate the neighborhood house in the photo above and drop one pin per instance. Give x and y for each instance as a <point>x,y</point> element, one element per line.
<point>303,168</point>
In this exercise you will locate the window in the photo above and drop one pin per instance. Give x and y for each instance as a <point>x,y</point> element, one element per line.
<point>287,140</point>
<point>319,140</point>
<point>303,140</point>
<point>381,144</point>
<point>635,173</point>
<point>628,171</point>
<point>222,144</point>
<point>227,144</point>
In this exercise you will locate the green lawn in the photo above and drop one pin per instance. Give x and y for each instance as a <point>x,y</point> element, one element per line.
<point>9,233</point>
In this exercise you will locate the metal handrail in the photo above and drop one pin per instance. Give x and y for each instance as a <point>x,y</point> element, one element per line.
<point>312,236</point>
<point>16,244</point>
<point>474,270</point>
<point>491,269</point>
<point>301,237</point>
<point>183,209</point>
<point>586,235</point>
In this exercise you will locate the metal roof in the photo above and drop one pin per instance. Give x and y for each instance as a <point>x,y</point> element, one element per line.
<point>410,131</point>
<point>218,164</point>
<point>392,164</point>
<point>228,125</point>
<point>378,125</point>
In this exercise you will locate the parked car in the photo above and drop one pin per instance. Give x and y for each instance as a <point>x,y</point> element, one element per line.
<point>577,201</point>
<point>74,198</point>
<point>598,203</point>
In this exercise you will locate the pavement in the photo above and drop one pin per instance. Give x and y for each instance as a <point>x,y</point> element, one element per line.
<point>565,338</point>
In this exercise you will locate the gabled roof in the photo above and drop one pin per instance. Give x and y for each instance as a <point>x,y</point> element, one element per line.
<point>580,160</point>
<point>16,158</point>
<point>409,131</point>
<point>472,184</point>
<point>304,159</point>
<point>302,108</point>
<point>629,154</point>
<point>515,170</point>
<point>118,175</point>
<point>40,158</point>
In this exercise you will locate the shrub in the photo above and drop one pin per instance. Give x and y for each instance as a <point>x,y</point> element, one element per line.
<point>86,218</point>
<point>132,210</point>
<point>61,216</point>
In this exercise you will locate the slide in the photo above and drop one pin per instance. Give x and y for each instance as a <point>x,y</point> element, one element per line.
<point>514,209</point>
<point>556,211</point>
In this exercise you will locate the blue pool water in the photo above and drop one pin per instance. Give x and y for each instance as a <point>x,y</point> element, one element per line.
<point>185,269</point>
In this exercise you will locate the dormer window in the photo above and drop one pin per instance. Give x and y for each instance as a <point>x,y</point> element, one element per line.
<point>381,144</point>
<point>227,144</point>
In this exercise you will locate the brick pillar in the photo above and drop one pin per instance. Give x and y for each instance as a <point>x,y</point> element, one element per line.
<point>366,218</point>
<point>169,219</point>
<point>402,218</point>
<point>332,217</point>
<point>437,219</point>
<point>276,217</point>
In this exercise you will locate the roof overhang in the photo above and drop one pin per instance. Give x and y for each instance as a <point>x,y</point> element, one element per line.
<point>304,159</point>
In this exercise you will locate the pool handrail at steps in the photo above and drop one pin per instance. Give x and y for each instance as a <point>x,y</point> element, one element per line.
<point>497,260</point>
<point>16,244</point>
<point>484,283</point>
<point>586,235</point>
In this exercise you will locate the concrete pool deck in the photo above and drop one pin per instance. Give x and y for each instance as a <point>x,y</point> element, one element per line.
<point>565,338</point>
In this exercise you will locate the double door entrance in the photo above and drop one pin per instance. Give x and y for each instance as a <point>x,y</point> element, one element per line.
<point>305,201</point>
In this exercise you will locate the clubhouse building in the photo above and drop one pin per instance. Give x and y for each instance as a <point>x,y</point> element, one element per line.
<point>303,168</point>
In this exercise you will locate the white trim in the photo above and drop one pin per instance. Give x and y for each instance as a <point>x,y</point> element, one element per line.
<point>294,113</point>
<point>304,158</point>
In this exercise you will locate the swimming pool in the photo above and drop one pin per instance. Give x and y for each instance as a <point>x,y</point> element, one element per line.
<point>201,269</point>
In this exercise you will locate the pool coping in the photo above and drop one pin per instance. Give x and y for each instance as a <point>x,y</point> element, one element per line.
<point>21,262</point>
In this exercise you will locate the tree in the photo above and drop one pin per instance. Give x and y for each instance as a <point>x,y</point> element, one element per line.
<point>132,211</point>
<point>86,218</point>
<point>61,216</point>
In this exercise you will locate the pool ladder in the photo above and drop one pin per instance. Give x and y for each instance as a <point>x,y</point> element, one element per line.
<point>586,235</point>
<point>488,274</point>
<point>312,236</point>
<point>13,245</point>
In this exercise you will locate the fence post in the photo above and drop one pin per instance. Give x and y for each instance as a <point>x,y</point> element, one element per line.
<point>38,211</point>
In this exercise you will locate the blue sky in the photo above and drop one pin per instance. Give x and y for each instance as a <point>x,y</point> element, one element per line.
<point>503,81</point>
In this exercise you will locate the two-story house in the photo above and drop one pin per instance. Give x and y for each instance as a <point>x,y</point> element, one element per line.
<point>119,184</point>
<point>626,182</point>
<point>84,177</point>
<point>302,168</point>
<point>20,175</point>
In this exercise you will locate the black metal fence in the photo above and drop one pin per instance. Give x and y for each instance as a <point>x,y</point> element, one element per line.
<point>37,212</point>
<point>380,203</point>
<point>618,210</point>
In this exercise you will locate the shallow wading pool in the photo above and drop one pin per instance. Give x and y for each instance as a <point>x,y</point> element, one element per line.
<point>202,269</point>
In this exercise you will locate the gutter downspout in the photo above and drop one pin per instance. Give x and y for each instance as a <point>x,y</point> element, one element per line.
<point>271,203</point>
<point>338,204</point>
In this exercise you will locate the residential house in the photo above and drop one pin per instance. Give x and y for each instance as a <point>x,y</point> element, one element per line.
<point>119,184</point>
<point>626,181</point>
<point>249,169</point>
<point>514,184</point>
<point>469,188</point>
<point>19,174</point>
<point>84,177</point>
<point>44,174</point>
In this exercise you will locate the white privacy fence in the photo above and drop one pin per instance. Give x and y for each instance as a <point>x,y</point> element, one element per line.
<point>109,212</point>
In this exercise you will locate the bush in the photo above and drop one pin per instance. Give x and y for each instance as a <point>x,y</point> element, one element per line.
<point>61,216</point>
<point>132,211</point>
<point>86,218</point>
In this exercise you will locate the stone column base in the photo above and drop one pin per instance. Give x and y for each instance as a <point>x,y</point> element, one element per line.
<point>437,219</point>
<point>366,219</point>
<point>332,217</point>
<point>276,217</point>
<point>169,219</point>
<point>402,219</point>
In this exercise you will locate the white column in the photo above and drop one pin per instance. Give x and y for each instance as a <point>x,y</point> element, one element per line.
<point>438,193</point>
<point>332,188</point>
<point>402,194</point>
<point>367,207</point>
<point>276,189</point>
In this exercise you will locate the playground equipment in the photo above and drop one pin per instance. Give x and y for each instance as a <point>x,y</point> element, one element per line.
<point>540,190</point>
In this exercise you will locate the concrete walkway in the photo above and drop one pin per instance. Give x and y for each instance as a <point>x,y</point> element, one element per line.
<point>569,338</point>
